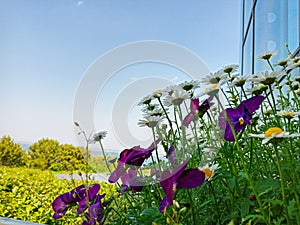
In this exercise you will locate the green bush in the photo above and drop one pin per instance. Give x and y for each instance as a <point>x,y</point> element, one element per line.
<point>50,154</point>
<point>27,194</point>
<point>11,154</point>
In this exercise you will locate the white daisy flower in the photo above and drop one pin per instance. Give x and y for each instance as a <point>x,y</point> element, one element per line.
<point>266,55</point>
<point>150,121</point>
<point>230,68</point>
<point>283,62</point>
<point>146,100</point>
<point>190,85</point>
<point>274,134</point>
<point>210,89</point>
<point>296,78</point>
<point>266,77</point>
<point>98,136</point>
<point>294,63</point>
<point>157,94</point>
<point>210,151</point>
<point>288,113</point>
<point>209,171</point>
<point>176,95</point>
<point>154,112</point>
<point>239,81</point>
<point>214,78</point>
<point>150,108</point>
<point>257,90</point>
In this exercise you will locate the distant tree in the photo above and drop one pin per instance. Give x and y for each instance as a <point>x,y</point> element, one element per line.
<point>50,154</point>
<point>43,153</point>
<point>68,158</point>
<point>11,153</point>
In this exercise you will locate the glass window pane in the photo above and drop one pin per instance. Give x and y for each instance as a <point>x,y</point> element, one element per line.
<point>247,54</point>
<point>293,24</point>
<point>271,33</point>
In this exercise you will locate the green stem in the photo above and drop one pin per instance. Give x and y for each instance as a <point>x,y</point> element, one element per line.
<point>156,151</point>
<point>271,66</point>
<point>167,116</point>
<point>240,154</point>
<point>282,185</point>
<point>192,206</point>
<point>216,203</point>
<point>104,155</point>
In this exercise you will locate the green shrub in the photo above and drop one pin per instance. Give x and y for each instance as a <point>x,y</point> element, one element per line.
<point>11,154</point>
<point>27,194</point>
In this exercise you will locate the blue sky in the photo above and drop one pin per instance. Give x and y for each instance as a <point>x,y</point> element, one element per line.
<point>47,46</point>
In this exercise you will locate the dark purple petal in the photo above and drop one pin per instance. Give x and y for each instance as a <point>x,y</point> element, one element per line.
<point>136,184</point>
<point>59,207</point>
<point>171,155</point>
<point>197,109</point>
<point>125,178</point>
<point>194,105</point>
<point>92,192</point>
<point>74,195</point>
<point>124,156</point>
<point>164,204</point>
<point>136,155</point>
<point>202,109</point>
<point>243,111</point>
<point>190,178</point>
<point>231,113</point>
<point>191,116</point>
<point>252,104</point>
<point>168,182</point>
<point>188,119</point>
<point>117,173</point>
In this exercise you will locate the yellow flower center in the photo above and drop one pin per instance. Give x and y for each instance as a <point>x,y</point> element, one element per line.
<point>212,87</point>
<point>208,172</point>
<point>242,121</point>
<point>273,130</point>
<point>157,93</point>
<point>289,114</point>
<point>174,188</point>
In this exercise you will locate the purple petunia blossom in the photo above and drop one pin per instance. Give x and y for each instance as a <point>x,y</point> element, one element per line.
<point>133,157</point>
<point>239,117</point>
<point>130,179</point>
<point>95,212</point>
<point>179,178</point>
<point>197,110</point>
<point>78,195</point>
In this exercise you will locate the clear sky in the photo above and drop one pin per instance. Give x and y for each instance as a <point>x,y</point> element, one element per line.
<point>47,46</point>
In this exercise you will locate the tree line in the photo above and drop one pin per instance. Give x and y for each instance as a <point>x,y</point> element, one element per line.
<point>45,154</point>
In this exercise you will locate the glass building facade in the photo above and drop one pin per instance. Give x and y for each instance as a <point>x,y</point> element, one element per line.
<point>268,25</point>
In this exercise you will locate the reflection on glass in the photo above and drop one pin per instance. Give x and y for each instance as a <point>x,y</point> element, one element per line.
<point>271,30</point>
<point>293,24</point>
<point>247,5</point>
<point>247,54</point>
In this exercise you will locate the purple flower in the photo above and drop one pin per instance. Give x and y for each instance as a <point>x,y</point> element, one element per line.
<point>179,178</point>
<point>171,155</point>
<point>95,213</point>
<point>78,195</point>
<point>130,179</point>
<point>239,117</point>
<point>197,110</point>
<point>132,157</point>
